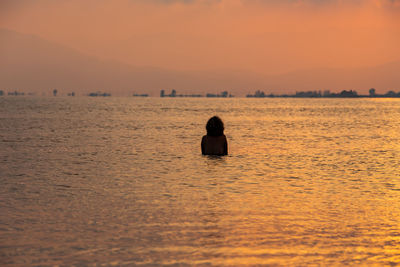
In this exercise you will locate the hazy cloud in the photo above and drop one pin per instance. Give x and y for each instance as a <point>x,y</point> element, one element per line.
<point>268,36</point>
<point>6,4</point>
<point>168,2</point>
<point>378,3</point>
<point>390,5</point>
<point>274,2</point>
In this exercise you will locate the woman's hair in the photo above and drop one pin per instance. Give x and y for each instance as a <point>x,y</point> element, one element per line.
<point>215,126</point>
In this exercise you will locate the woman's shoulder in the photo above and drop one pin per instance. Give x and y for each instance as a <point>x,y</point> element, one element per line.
<point>213,139</point>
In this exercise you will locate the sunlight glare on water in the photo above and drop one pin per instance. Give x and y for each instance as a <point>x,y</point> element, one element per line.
<point>121,181</point>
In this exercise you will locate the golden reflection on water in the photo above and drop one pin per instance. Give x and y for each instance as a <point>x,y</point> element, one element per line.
<point>122,182</point>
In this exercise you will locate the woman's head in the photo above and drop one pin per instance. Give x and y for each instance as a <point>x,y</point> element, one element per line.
<point>215,126</point>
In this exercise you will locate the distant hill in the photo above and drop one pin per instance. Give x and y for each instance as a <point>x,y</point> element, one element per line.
<point>32,64</point>
<point>383,78</point>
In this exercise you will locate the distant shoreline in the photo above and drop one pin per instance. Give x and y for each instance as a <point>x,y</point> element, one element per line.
<point>224,94</point>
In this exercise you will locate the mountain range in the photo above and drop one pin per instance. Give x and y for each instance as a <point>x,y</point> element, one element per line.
<point>32,64</point>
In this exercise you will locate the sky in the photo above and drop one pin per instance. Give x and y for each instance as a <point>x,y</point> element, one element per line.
<point>261,36</point>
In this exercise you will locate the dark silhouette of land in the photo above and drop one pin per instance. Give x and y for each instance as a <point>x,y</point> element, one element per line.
<point>140,95</point>
<point>257,94</point>
<point>327,94</point>
<point>174,94</point>
<point>223,94</point>
<point>15,93</point>
<point>99,94</point>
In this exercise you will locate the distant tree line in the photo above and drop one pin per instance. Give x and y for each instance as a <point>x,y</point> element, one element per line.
<point>257,94</point>
<point>140,95</point>
<point>99,94</point>
<point>327,94</point>
<point>174,94</point>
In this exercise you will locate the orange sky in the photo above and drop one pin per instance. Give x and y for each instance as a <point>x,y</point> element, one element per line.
<point>264,36</point>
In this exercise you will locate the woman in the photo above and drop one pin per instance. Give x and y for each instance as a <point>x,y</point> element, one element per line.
<point>214,143</point>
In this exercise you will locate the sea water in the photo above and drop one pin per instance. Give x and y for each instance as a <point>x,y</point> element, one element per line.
<point>121,181</point>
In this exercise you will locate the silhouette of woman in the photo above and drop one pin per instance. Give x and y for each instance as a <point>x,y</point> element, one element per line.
<point>214,143</point>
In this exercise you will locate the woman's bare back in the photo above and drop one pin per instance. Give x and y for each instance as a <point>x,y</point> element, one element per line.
<point>214,145</point>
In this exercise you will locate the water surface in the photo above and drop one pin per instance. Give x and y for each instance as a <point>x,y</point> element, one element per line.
<point>121,181</point>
